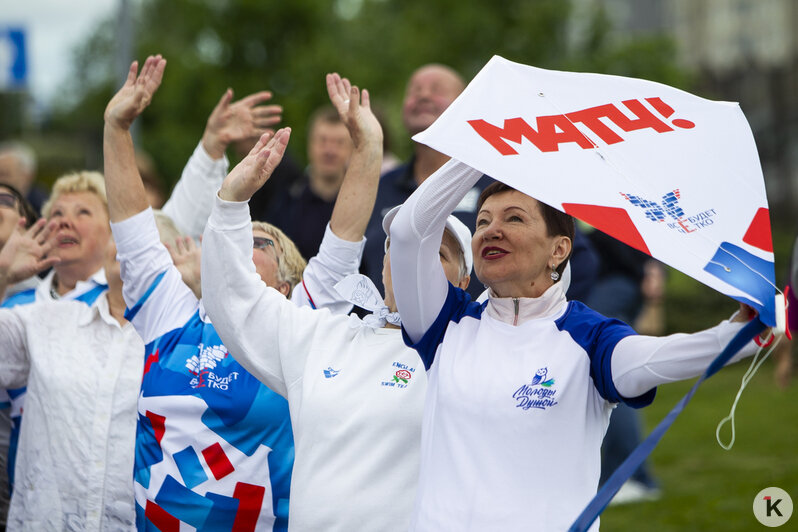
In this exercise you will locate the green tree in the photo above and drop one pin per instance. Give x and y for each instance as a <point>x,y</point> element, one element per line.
<point>287,47</point>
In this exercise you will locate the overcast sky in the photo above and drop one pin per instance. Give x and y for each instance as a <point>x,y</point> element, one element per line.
<point>52,28</point>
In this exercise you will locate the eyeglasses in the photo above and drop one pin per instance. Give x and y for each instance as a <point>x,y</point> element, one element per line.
<point>261,242</point>
<point>8,200</point>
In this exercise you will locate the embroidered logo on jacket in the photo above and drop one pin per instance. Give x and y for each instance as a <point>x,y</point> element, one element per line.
<point>401,376</point>
<point>201,367</point>
<point>538,393</point>
<point>329,373</point>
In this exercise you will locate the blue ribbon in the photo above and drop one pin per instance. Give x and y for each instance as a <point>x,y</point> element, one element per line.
<point>633,461</point>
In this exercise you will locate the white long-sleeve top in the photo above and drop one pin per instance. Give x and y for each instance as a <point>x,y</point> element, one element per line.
<point>355,393</point>
<point>520,389</point>
<point>189,206</point>
<point>75,458</point>
<point>192,198</point>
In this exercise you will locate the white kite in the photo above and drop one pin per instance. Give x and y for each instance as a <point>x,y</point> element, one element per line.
<point>671,174</point>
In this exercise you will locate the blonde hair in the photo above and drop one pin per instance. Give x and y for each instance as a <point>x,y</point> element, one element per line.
<point>291,264</point>
<point>85,181</point>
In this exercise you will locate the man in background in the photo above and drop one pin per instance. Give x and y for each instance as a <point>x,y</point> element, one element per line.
<point>304,209</point>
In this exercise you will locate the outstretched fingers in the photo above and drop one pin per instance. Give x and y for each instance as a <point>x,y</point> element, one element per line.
<point>131,73</point>
<point>339,90</point>
<point>254,99</point>
<point>274,151</point>
<point>262,141</point>
<point>354,99</point>
<point>225,100</point>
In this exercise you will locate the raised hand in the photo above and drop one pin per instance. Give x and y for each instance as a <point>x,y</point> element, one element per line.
<point>354,109</point>
<point>187,257</point>
<point>136,94</point>
<point>239,121</point>
<point>25,253</point>
<point>256,168</point>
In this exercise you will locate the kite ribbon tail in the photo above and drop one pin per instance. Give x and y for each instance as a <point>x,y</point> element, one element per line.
<point>591,512</point>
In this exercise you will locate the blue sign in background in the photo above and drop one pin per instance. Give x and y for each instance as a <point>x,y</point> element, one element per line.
<point>13,58</point>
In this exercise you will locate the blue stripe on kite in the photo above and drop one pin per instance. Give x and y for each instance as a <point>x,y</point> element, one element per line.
<point>633,461</point>
<point>733,265</point>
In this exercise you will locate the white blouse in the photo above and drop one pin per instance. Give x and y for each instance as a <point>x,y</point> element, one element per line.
<point>83,372</point>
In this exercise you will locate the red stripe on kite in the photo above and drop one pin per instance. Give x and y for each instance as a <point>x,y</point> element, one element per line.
<point>611,220</point>
<point>218,462</point>
<point>758,234</point>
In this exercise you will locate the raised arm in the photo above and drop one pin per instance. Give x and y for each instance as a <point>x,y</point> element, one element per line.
<point>126,193</point>
<point>265,333</point>
<point>355,201</point>
<point>338,256</point>
<point>230,122</point>
<point>145,262</point>
<point>419,284</point>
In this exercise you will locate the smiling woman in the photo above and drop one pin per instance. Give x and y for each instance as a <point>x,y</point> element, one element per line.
<point>544,373</point>
<point>521,245</point>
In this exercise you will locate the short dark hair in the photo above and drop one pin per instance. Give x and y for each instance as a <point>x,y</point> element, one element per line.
<point>557,223</point>
<point>25,209</point>
<point>327,114</point>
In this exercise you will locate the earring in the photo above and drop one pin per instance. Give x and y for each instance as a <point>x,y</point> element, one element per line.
<point>554,275</point>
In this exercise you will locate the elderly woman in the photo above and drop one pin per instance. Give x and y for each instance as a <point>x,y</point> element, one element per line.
<point>82,365</point>
<point>521,387</point>
<point>355,391</point>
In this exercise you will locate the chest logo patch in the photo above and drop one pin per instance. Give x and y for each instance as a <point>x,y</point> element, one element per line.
<point>401,376</point>
<point>538,393</point>
<point>203,364</point>
<point>329,373</point>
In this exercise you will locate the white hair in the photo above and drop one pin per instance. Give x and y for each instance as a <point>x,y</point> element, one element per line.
<point>24,154</point>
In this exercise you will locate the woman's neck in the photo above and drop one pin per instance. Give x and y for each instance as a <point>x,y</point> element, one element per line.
<point>517,310</point>
<point>67,277</point>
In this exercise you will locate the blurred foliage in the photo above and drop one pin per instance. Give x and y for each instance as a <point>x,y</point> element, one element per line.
<point>287,47</point>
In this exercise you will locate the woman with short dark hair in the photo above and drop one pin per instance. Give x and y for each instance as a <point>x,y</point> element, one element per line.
<point>521,387</point>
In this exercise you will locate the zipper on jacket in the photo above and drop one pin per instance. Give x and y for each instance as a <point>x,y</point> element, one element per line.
<point>516,303</point>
